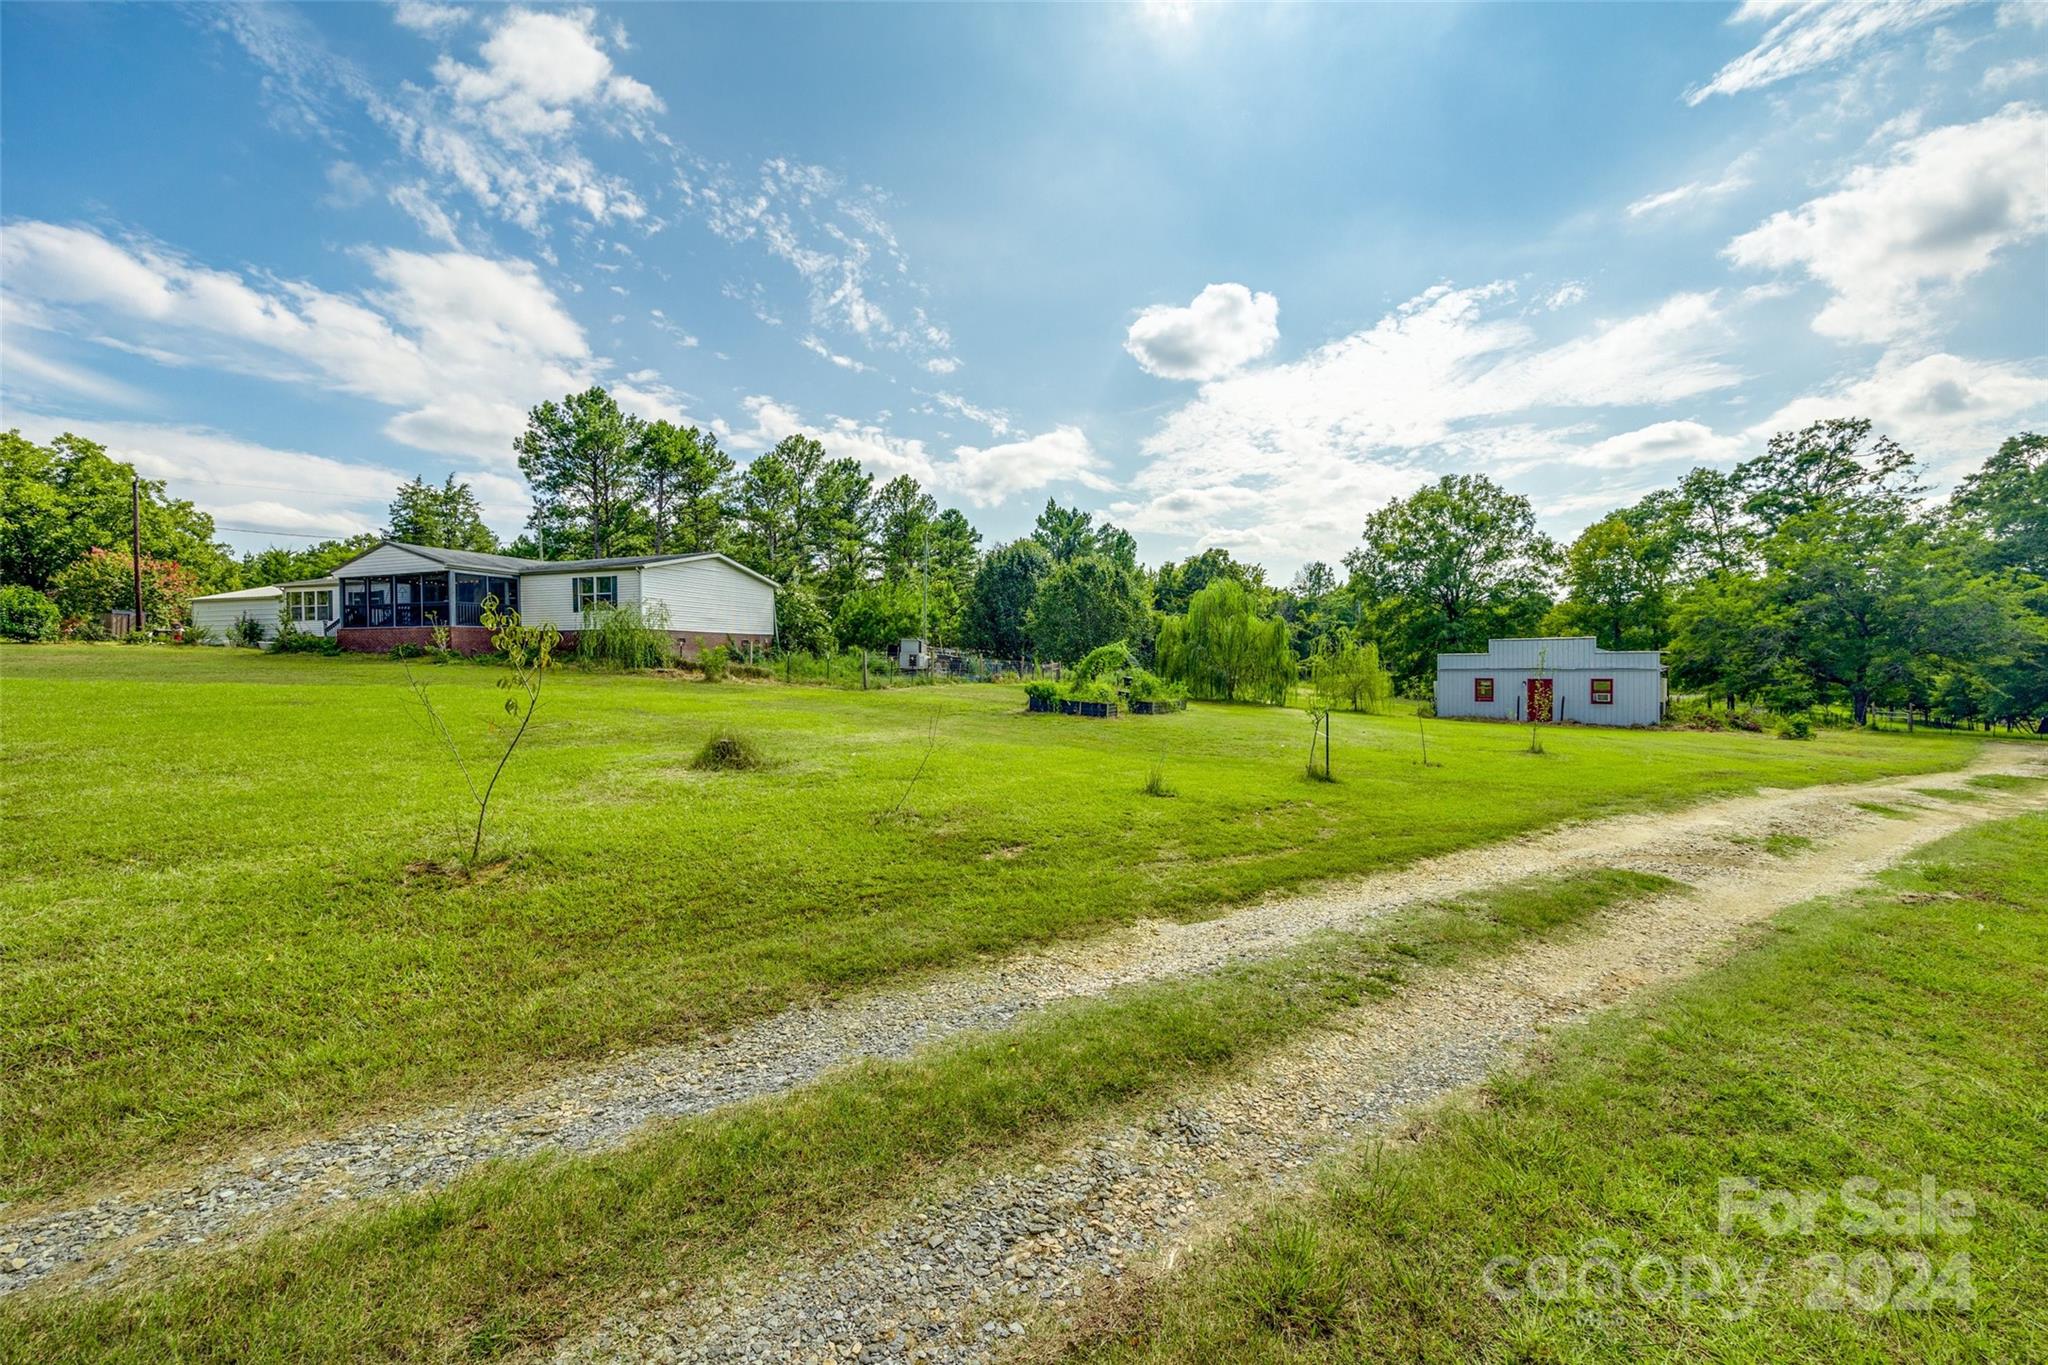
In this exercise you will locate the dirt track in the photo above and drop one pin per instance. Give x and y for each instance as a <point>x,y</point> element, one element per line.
<point>1719,842</point>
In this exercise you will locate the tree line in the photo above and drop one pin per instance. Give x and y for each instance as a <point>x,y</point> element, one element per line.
<point>1818,570</point>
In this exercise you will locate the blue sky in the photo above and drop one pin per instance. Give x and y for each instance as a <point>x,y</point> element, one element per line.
<point>1232,276</point>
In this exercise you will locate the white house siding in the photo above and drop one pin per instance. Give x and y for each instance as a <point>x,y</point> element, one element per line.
<point>710,597</point>
<point>1572,663</point>
<point>220,613</point>
<point>544,598</point>
<point>389,559</point>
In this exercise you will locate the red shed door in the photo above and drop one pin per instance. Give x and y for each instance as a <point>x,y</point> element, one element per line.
<point>1541,690</point>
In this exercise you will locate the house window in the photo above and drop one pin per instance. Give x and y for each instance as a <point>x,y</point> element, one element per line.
<point>601,590</point>
<point>311,604</point>
<point>1482,689</point>
<point>1603,691</point>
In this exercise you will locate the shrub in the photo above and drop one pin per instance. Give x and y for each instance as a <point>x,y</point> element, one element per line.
<point>1427,710</point>
<point>1795,727</point>
<point>625,636</point>
<point>1111,660</point>
<point>716,662</point>
<point>138,637</point>
<point>1090,691</point>
<point>88,629</point>
<point>1149,686</point>
<point>197,635</point>
<point>306,642</point>
<point>26,614</point>
<point>1042,691</point>
<point>729,753</point>
<point>408,650</point>
<point>246,630</point>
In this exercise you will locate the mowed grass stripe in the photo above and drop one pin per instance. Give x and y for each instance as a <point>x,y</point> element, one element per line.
<point>521,1253</point>
<point>216,923</point>
<point>1890,1035</point>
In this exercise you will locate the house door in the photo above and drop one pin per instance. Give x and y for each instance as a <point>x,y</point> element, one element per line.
<point>1541,691</point>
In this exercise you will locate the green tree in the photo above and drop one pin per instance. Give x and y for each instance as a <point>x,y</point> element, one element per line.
<point>877,616</point>
<point>685,485</point>
<point>1455,563</point>
<point>904,517</point>
<point>278,564</point>
<point>1614,576</point>
<point>1175,584</point>
<point>1348,674</point>
<point>2008,501</point>
<point>999,604</point>
<point>582,457</point>
<point>104,581</point>
<point>1087,602</point>
<point>1223,648</point>
<point>59,501</point>
<point>448,516</point>
<point>777,505</point>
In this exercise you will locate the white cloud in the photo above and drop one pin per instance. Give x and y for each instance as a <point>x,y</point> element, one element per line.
<point>1287,460</point>
<point>1899,235</point>
<point>240,482</point>
<point>460,343</point>
<point>1951,411</point>
<point>942,365</point>
<point>347,186</point>
<point>844,362</point>
<point>662,324</point>
<point>30,375</point>
<point>1808,34</point>
<point>433,220</point>
<point>1662,443</point>
<point>997,421</point>
<point>1226,327</point>
<point>1735,177</point>
<point>2008,74</point>
<point>987,475</point>
<point>421,16</point>
<point>539,68</point>
<point>1566,295</point>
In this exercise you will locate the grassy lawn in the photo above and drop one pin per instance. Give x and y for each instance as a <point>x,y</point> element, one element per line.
<point>522,1252</point>
<point>226,911</point>
<point>1891,1036</point>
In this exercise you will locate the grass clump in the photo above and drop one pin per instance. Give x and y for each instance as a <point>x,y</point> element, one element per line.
<point>729,753</point>
<point>1156,784</point>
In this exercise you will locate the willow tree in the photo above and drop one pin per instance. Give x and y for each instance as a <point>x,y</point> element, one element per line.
<point>1223,649</point>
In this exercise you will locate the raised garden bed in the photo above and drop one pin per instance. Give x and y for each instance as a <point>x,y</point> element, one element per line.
<point>1161,707</point>
<point>1098,710</point>
<point>1046,705</point>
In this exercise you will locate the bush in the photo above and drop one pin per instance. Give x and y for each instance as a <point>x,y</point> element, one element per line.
<point>88,629</point>
<point>729,753</point>
<point>625,636</point>
<point>1795,727</point>
<point>246,630</point>
<point>716,662</point>
<point>26,614</point>
<point>409,651</point>
<point>1042,691</point>
<point>138,637</point>
<point>305,642</point>
<point>197,635</point>
<point>1111,660</point>
<point>1427,710</point>
<point>1149,686</point>
<point>1090,691</point>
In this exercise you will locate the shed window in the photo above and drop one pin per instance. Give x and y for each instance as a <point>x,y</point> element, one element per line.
<point>601,590</point>
<point>1603,691</point>
<point>1482,689</point>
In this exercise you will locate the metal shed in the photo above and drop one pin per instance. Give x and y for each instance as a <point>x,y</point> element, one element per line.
<point>1565,679</point>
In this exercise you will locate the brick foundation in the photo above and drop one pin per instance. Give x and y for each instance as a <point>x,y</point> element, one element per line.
<point>381,639</point>
<point>477,640</point>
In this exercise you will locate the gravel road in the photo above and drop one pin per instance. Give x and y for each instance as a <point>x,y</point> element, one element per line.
<point>99,1241</point>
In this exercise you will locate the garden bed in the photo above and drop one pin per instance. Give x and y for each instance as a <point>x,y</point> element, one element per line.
<point>1097,710</point>
<point>1159,707</point>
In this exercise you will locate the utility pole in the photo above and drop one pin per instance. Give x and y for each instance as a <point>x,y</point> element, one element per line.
<point>924,584</point>
<point>135,541</point>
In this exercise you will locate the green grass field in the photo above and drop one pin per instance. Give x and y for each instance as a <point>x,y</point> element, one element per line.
<point>1892,1036</point>
<point>229,908</point>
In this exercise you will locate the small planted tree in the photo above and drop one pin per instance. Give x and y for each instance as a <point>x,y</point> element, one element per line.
<point>528,651</point>
<point>1319,718</point>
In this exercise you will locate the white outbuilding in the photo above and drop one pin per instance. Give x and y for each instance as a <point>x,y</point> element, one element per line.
<point>1563,679</point>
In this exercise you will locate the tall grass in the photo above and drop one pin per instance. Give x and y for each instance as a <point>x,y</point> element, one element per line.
<point>628,636</point>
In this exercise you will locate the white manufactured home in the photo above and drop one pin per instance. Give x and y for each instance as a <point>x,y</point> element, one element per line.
<point>1563,679</point>
<point>398,594</point>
